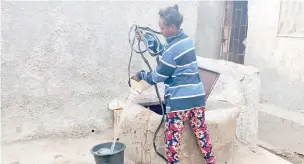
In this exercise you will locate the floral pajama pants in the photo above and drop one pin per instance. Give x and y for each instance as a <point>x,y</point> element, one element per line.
<point>174,125</point>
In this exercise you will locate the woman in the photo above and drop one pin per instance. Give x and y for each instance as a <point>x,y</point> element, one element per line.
<point>184,92</point>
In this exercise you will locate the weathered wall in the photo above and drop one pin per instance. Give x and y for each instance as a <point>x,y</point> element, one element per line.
<point>239,85</point>
<point>63,61</point>
<point>279,59</point>
<point>209,28</point>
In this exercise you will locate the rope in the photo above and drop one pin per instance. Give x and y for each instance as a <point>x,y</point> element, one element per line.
<point>152,33</point>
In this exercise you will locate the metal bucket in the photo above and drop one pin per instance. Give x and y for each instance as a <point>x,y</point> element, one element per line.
<point>115,157</point>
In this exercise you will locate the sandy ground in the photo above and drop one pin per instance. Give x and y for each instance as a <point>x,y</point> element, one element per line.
<point>76,151</point>
<point>51,151</point>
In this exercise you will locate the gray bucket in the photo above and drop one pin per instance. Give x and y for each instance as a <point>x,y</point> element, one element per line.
<point>117,157</point>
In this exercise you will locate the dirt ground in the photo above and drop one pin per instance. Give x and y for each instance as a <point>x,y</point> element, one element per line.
<point>50,151</point>
<point>77,151</point>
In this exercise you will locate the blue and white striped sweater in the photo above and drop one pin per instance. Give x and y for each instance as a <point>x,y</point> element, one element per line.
<point>177,68</point>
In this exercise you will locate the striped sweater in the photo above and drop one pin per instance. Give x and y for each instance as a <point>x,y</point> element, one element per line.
<point>177,68</point>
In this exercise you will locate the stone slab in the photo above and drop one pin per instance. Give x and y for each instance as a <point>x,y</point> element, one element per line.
<point>282,128</point>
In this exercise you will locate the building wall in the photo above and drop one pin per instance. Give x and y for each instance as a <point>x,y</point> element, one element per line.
<point>279,59</point>
<point>62,62</point>
<point>209,28</point>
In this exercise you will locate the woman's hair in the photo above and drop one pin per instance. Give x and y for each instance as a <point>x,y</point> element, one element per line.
<point>171,16</point>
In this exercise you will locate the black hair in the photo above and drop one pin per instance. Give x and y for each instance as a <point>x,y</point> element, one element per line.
<point>171,16</point>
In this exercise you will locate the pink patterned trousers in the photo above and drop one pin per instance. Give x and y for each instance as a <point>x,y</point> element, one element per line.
<point>174,125</point>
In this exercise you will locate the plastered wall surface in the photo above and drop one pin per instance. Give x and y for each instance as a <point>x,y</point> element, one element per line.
<point>63,61</point>
<point>209,28</point>
<point>279,59</point>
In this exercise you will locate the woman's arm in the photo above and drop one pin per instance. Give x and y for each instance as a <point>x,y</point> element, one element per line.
<point>163,71</point>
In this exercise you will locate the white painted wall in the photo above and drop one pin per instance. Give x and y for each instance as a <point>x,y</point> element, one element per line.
<point>280,60</point>
<point>62,62</point>
<point>209,28</point>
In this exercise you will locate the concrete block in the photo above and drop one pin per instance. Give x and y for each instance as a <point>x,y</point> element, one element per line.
<point>282,128</point>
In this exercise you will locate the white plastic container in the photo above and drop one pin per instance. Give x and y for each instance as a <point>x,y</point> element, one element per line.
<point>140,86</point>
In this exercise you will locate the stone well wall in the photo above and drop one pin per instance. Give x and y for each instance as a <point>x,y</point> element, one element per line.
<point>238,85</point>
<point>138,126</point>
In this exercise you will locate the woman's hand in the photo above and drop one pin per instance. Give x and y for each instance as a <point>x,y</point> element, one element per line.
<point>134,77</point>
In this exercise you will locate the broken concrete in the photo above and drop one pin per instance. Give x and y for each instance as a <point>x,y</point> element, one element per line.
<point>139,125</point>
